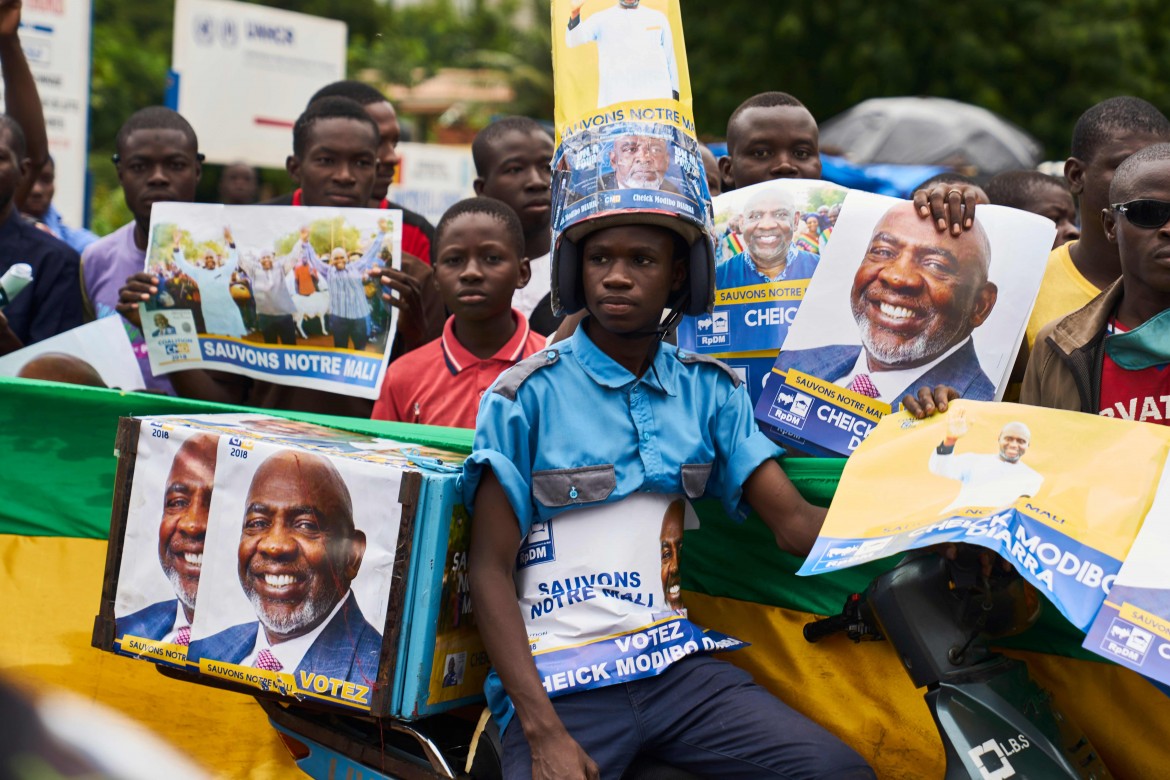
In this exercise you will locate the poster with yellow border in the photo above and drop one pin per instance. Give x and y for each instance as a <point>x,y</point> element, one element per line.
<point>1060,495</point>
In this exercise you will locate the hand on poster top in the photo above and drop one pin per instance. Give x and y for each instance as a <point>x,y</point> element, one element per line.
<point>305,234</point>
<point>957,427</point>
<point>929,401</point>
<point>227,236</point>
<point>384,225</point>
<point>951,206</point>
<point>176,238</point>
<point>9,17</point>
<point>575,7</point>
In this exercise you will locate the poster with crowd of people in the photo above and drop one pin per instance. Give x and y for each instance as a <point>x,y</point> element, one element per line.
<point>896,306</point>
<point>299,549</point>
<point>289,295</point>
<point>1059,495</point>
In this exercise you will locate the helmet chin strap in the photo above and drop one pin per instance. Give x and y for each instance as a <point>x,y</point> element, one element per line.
<point>660,332</point>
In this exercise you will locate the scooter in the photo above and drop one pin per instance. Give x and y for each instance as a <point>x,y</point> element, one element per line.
<point>940,614</point>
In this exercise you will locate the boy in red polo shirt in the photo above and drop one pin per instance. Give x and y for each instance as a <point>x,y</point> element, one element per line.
<point>479,264</point>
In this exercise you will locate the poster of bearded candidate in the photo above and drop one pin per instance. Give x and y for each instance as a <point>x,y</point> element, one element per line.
<point>769,238</point>
<point>300,560</point>
<point>162,544</point>
<point>896,306</point>
<point>290,295</point>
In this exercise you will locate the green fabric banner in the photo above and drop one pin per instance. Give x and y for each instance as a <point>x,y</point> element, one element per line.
<point>58,462</point>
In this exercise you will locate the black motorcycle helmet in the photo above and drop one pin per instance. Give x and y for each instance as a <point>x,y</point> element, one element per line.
<point>695,298</point>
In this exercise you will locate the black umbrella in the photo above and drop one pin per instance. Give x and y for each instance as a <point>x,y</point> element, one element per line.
<point>930,131</point>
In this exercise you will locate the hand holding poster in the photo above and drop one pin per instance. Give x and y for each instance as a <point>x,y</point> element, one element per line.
<point>897,306</point>
<point>1060,495</point>
<point>289,295</point>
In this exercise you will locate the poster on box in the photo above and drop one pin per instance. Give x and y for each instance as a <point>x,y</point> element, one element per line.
<point>1059,495</point>
<point>284,294</point>
<point>300,554</point>
<point>319,438</point>
<point>163,542</point>
<point>460,664</point>
<point>897,306</point>
<point>768,243</point>
<point>601,596</point>
<point>1133,626</point>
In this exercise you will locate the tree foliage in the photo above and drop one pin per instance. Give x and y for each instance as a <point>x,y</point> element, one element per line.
<point>1036,63</point>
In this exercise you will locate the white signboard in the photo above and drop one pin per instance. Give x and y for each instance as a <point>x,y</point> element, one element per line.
<point>431,178</point>
<point>243,74</point>
<point>55,35</point>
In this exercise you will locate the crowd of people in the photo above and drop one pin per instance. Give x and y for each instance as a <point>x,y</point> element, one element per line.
<point>476,296</point>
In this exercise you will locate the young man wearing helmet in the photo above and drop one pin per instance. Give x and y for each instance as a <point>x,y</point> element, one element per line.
<point>607,414</point>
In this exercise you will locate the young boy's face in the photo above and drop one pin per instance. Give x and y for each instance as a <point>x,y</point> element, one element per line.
<point>1089,179</point>
<point>155,166</point>
<point>628,273</point>
<point>779,142</point>
<point>1144,252</point>
<point>477,267</point>
<point>339,164</point>
<point>520,173</point>
<point>1055,203</point>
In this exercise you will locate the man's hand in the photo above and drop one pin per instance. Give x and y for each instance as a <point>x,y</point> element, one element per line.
<point>951,206</point>
<point>575,7</point>
<point>9,17</point>
<point>227,235</point>
<point>9,341</point>
<point>138,288</point>
<point>304,234</point>
<point>411,315</point>
<point>559,756</point>
<point>930,400</point>
<point>176,239</point>
<point>383,225</point>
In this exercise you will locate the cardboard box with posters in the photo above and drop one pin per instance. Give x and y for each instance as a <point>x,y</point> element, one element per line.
<point>320,561</point>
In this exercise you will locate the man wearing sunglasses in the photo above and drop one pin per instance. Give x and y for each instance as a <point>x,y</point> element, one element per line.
<point>1110,356</point>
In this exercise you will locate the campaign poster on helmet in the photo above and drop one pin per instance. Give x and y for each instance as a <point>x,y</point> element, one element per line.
<point>601,596</point>
<point>620,54</point>
<point>289,295</point>
<point>1133,626</point>
<point>1059,495</point>
<point>300,557</point>
<point>626,165</point>
<point>768,243</point>
<point>163,542</point>
<point>896,306</point>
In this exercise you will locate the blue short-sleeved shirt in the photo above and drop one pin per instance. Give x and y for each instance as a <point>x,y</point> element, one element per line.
<point>741,271</point>
<point>580,430</point>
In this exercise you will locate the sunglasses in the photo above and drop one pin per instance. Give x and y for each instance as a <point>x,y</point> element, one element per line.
<point>1145,213</point>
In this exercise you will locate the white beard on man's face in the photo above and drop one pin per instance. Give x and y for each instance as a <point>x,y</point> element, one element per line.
<point>923,348</point>
<point>186,597</point>
<point>639,181</point>
<point>310,611</point>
